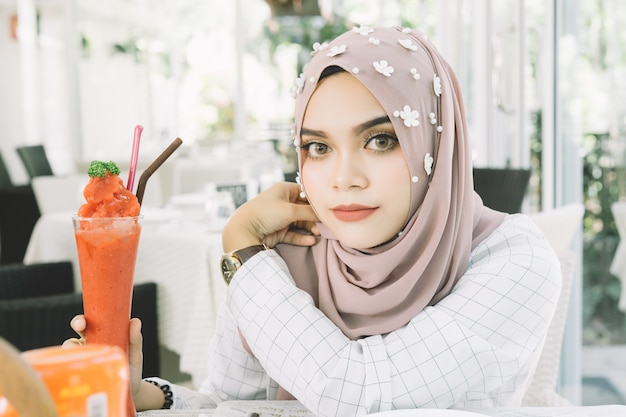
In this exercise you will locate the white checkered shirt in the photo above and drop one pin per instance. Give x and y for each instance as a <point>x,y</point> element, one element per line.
<point>477,347</point>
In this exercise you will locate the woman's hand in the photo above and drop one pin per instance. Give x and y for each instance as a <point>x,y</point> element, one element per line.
<point>135,349</point>
<point>277,215</point>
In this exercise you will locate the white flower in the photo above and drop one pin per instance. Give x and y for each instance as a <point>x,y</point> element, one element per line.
<point>383,67</point>
<point>410,117</point>
<point>437,85</point>
<point>428,163</point>
<point>363,30</point>
<point>298,86</point>
<point>319,47</point>
<point>408,44</point>
<point>336,50</point>
<point>374,41</point>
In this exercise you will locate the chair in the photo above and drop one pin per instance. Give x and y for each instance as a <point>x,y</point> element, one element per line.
<point>35,160</point>
<point>559,226</point>
<point>5,178</point>
<point>502,189</point>
<point>18,215</point>
<point>22,386</point>
<point>36,280</point>
<point>59,193</point>
<point>37,301</point>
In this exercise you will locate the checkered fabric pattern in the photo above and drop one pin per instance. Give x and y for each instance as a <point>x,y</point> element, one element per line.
<point>475,348</point>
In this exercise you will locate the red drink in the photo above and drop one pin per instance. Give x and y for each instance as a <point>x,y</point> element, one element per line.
<point>107,251</point>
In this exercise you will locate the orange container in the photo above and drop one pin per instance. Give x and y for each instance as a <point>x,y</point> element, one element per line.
<point>85,381</point>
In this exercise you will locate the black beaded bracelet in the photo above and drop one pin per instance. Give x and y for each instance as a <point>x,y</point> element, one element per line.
<point>167,392</point>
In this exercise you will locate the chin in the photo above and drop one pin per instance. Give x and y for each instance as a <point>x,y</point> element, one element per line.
<point>359,236</point>
<point>359,243</point>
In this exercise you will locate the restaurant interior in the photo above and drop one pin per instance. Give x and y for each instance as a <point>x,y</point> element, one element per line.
<point>544,85</point>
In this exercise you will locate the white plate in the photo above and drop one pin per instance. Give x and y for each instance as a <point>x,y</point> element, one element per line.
<point>427,412</point>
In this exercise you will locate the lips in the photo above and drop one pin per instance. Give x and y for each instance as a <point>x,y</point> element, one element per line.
<point>352,212</point>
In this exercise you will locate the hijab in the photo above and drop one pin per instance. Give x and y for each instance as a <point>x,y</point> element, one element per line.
<point>378,290</point>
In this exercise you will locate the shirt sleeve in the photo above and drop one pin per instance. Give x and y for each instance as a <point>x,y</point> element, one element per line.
<point>476,347</point>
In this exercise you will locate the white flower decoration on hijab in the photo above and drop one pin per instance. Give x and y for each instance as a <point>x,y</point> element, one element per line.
<point>437,86</point>
<point>298,86</point>
<point>363,30</point>
<point>319,47</point>
<point>336,50</point>
<point>410,117</point>
<point>428,163</point>
<point>383,67</point>
<point>408,44</point>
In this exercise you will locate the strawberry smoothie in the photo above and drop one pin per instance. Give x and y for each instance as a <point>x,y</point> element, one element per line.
<point>107,230</point>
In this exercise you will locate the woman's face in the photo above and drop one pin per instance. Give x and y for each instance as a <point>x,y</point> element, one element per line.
<point>353,170</point>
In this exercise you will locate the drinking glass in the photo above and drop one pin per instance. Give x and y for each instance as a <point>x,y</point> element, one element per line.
<point>107,253</point>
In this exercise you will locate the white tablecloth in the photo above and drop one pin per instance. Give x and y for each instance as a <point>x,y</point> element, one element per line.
<point>181,257</point>
<point>594,411</point>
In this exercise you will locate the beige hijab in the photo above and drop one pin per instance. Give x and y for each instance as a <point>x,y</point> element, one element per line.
<point>381,289</point>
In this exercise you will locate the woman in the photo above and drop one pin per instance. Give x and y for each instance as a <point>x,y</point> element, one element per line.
<point>390,285</point>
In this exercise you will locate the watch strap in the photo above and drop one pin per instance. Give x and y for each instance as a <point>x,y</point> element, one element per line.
<point>247,253</point>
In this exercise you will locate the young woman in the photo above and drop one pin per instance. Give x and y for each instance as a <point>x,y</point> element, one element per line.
<point>389,285</point>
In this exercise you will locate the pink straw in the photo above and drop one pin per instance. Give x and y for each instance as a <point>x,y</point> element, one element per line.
<point>133,157</point>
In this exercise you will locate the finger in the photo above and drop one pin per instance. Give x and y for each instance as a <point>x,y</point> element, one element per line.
<point>135,349</point>
<point>78,324</point>
<point>73,342</point>
<point>292,192</point>
<point>299,239</point>
<point>305,227</point>
<point>304,213</point>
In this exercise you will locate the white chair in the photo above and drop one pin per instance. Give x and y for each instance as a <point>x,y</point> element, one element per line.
<point>59,193</point>
<point>559,226</point>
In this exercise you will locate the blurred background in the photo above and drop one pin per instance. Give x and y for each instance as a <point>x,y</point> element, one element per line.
<point>544,84</point>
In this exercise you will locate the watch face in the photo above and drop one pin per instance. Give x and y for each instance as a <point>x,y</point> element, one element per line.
<point>232,261</point>
<point>229,267</point>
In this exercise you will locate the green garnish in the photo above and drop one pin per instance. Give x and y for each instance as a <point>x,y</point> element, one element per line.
<point>100,169</point>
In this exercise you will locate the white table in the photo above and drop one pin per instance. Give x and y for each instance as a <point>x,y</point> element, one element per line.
<point>595,411</point>
<point>180,256</point>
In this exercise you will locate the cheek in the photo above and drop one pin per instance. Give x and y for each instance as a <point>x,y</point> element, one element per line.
<point>402,188</point>
<point>312,181</point>
<point>398,186</point>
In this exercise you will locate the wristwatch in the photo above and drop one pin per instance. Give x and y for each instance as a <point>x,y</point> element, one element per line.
<point>232,261</point>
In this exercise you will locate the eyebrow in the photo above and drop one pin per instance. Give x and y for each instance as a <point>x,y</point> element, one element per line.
<point>358,129</point>
<point>371,123</point>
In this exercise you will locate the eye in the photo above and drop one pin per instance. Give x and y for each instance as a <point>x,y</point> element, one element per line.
<point>381,142</point>
<point>315,149</point>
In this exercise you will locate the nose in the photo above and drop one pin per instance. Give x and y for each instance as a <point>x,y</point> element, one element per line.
<point>349,173</point>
